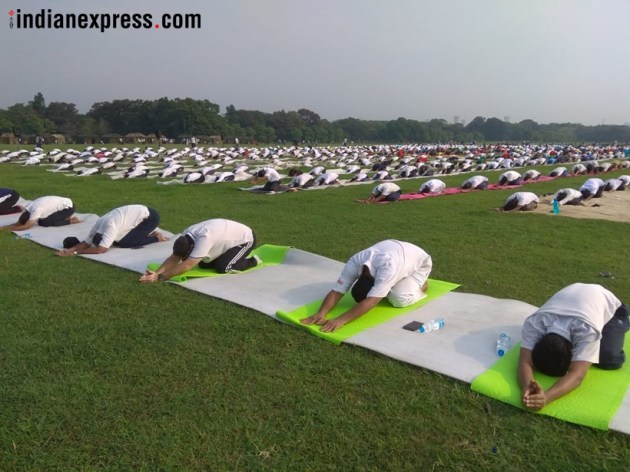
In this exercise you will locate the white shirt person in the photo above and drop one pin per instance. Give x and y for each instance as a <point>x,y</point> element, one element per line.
<point>394,269</point>
<point>220,244</point>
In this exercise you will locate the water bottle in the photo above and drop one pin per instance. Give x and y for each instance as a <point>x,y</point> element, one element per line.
<point>503,344</point>
<point>434,324</point>
<point>556,206</point>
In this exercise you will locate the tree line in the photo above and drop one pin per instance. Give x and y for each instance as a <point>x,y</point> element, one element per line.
<point>174,118</point>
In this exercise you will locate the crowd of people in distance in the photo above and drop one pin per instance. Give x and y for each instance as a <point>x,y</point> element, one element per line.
<point>581,325</point>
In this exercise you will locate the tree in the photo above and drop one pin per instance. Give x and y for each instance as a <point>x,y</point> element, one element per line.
<point>25,120</point>
<point>39,104</point>
<point>309,117</point>
<point>64,116</point>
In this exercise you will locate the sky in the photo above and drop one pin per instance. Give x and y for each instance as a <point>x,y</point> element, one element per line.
<point>552,61</point>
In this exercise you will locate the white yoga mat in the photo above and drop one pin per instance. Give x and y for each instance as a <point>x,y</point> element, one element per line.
<point>300,279</point>
<point>464,348</point>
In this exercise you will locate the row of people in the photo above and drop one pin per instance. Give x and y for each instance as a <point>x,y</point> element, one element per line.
<point>581,325</point>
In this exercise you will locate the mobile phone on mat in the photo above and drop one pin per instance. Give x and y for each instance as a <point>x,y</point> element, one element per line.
<point>413,326</point>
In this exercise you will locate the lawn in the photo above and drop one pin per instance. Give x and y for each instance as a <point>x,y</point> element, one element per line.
<point>100,372</point>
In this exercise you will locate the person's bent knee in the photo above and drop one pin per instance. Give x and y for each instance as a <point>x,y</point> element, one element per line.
<point>401,300</point>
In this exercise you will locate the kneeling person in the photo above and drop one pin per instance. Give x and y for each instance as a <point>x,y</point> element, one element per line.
<point>520,201</point>
<point>219,244</point>
<point>128,226</point>
<point>580,325</point>
<point>394,269</point>
<point>45,211</point>
<point>385,192</point>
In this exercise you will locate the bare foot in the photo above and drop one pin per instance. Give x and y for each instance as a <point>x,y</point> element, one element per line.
<point>74,220</point>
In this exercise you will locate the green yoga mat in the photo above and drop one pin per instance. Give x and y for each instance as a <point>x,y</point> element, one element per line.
<point>377,315</point>
<point>270,255</point>
<point>591,404</point>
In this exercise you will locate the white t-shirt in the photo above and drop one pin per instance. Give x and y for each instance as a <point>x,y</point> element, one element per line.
<point>614,184</point>
<point>45,206</point>
<point>625,179</point>
<point>326,178</point>
<point>592,185</point>
<point>405,170</point>
<point>510,175</point>
<point>531,174</point>
<point>385,189</point>
<point>579,168</point>
<point>300,180</point>
<point>271,174</point>
<point>389,262</point>
<point>558,171</point>
<point>117,223</point>
<point>214,237</point>
<point>224,175</point>
<point>523,198</point>
<point>476,180</point>
<point>433,186</point>
<point>578,313</point>
<point>571,194</point>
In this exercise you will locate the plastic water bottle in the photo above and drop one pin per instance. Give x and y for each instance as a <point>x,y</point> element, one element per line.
<point>556,206</point>
<point>433,325</point>
<point>504,343</point>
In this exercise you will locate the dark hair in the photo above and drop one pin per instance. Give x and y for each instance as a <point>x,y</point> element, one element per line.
<point>70,241</point>
<point>294,171</point>
<point>183,246</point>
<point>260,173</point>
<point>362,286</point>
<point>24,217</point>
<point>552,355</point>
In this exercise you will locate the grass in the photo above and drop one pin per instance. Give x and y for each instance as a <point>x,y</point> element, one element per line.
<point>102,373</point>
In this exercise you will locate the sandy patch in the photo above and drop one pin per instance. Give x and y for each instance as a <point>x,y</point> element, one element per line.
<point>613,206</point>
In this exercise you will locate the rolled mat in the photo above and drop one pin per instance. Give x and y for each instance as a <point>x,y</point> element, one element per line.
<point>592,404</point>
<point>268,253</point>
<point>377,315</point>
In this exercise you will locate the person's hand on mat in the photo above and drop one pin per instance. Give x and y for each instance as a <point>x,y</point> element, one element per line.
<point>534,397</point>
<point>317,318</point>
<point>332,325</point>
<point>65,252</point>
<point>149,277</point>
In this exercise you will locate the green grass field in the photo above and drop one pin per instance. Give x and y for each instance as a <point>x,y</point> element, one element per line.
<point>100,372</point>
